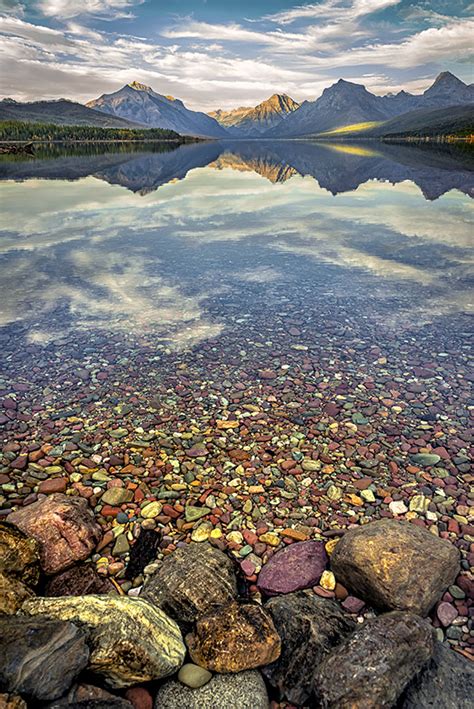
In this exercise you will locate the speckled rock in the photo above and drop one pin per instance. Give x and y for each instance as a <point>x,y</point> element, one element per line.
<point>64,527</point>
<point>245,690</point>
<point>373,666</point>
<point>80,580</point>
<point>233,638</point>
<point>19,554</point>
<point>447,682</point>
<point>309,628</point>
<point>191,581</point>
<point>296,567</point>
<point>40,657</point>
<point>395,565</point>
<point>131,640</point>
<point>13,593</point>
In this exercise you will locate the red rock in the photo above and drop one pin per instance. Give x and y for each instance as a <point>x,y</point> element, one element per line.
<point>48,487</point>
<point>353,604</point>
<point>139,697</point>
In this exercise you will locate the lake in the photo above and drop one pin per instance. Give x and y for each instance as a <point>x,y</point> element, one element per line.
<point>277,331</point>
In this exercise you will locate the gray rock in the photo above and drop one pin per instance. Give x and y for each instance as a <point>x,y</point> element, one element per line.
<point>245,690</point>
<point>373,666</point>
<point>40,657</point>
<point>309,628</point>
<point>447,682</point>
<point>194,676</point>
<point>395,565</point>
<point>191,581</point>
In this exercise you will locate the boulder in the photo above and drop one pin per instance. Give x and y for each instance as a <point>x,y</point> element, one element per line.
<point>79,580</point>
<point>372,667</point>
<point>41,657</point>
<point>233,638</point>
<point>191,581</point>
<point>13,593</point>
<point>64,526</point>
<point>245,690</point>
<point>131,640</point>
<point>19,554</point>
<point>393,564</point>
<point>447,682</point>
<point>309,627</point>
<point>296,567</point>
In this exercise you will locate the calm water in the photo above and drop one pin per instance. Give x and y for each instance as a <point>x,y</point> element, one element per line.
<point>234,257</point>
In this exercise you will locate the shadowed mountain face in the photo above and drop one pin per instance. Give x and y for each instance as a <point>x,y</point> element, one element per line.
<point>139,103</point>
<point>60,112</point>
<point>336,168</point>
<point>258,120</point>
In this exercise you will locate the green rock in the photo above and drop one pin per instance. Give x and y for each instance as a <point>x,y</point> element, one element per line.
<point>359,419</point>
<point>151,510</point>
<point>367,495</point>
<point>202,532</point>
<point>194,676</point>
<point>116,496</point>
<point>425,459</point>
<point>419,503</point>
<point>334,493</point>
<point>121,545</point>
<point>192,513</point>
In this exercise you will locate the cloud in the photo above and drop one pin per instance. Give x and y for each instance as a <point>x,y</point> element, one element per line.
<point>66,9</point>
<point>331,9</point>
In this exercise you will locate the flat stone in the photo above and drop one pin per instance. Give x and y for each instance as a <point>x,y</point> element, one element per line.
<point>193,513</point>
<point>245,690</point>
<point>425,459</point>
<point>116,496</point>
<point>393,564</point>
<point>233,638</point>
<point>131,640</point>
<point>64,527</point>
<point>194,676</point>
<point>374,665</point>
<point>41,657</point>
<point>191,581</point>
<point>296,567</point>
<point>447,682</point>
<point>151,510</point>
<point>309,628</point>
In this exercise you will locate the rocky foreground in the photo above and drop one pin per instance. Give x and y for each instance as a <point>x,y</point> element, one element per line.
<point>337,623</point>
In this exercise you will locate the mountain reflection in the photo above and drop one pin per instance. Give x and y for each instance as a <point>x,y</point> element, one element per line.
<point>336,167</point>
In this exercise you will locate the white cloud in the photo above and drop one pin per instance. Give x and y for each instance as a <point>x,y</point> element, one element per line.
<point>66,9</point>
<point>331,9</point>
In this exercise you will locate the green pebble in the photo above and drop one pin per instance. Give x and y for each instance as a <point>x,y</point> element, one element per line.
<point>194,676</point>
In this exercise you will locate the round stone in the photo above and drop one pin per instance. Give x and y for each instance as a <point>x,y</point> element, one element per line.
<point>194,676</point>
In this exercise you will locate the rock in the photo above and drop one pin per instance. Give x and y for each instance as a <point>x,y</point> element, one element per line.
<point>233,638</point>
<point>40,657</point>
<point>447,682</point>
<point>298,566</point>
<point>194,676</point>
<point>116,496</point>
<point>374,665</point>
<point>398,507</point>
<point>395,565</point>
<point>143,552</point>
<point>86,696</point>
<point>12,701</point>
<point>151,510</point>
<point>139,697</point>
<point>19,554</point>
<point>191,581</point>
<point>446,613</point>
<point>131,640</point>
<point>425,459</point>
<point>245,690</point>
<point>64,527</point>
<point>309,628</point>
<point>13,593</point>
<point>80,580</point>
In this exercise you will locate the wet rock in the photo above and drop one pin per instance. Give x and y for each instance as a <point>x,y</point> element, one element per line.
<point>40,657</point>
<point>296,567</point>
<point>64,527</point>
<point>86,696</point>
<point>447,682</point>
<point>131,640</point>
<point>245,690</point>
<point>80,580</point>
<point>372,668</point>
<point>13,593</point>
<point>143,552</point>
<point>233,638</point>
<point>191,581</point>
<point>19,554</point>
<point>395,565</point>
<point>309,628</point>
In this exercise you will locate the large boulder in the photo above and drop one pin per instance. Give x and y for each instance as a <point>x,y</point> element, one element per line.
<point>395,565</point>
<point>245,690</point>
<point>296,567</point>
<point>372,668</point>
<point>447,682</point>
<point>309,627</point>
<point>191,581</point>
<point>40,657</point>
<point>131,640</point>
<point>234,637</point>
<point>19,555</point>
<point>64,526</point>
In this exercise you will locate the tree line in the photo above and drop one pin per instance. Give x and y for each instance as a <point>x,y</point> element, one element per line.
<point>19,130</point>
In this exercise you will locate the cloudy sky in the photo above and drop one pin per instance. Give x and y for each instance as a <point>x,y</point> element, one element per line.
<point>221,54</point>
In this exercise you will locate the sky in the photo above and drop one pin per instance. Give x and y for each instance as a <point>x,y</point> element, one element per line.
<point>221,54</point>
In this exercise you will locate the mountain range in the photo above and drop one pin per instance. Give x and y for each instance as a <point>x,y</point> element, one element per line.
<point>344,107</point>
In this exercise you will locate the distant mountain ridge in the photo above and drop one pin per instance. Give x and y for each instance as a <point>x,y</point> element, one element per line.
<point>139,103</point>
<point>60,112</point>
<point>256,121</point>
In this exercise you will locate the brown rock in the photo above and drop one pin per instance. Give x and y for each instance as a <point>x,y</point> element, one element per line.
<point>47,487</point>
<point>64,526</point>
<point>191,581</point>
<point>393,564</point>
<point>19,554</point>
<point>233,638</point>
<point>13,593</point>
<point>12,701</point>
<point>79,580</point>
<point>371,669</point>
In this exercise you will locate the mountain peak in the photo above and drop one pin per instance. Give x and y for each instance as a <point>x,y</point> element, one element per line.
<point>137,86</point>
<point>445,82</point>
